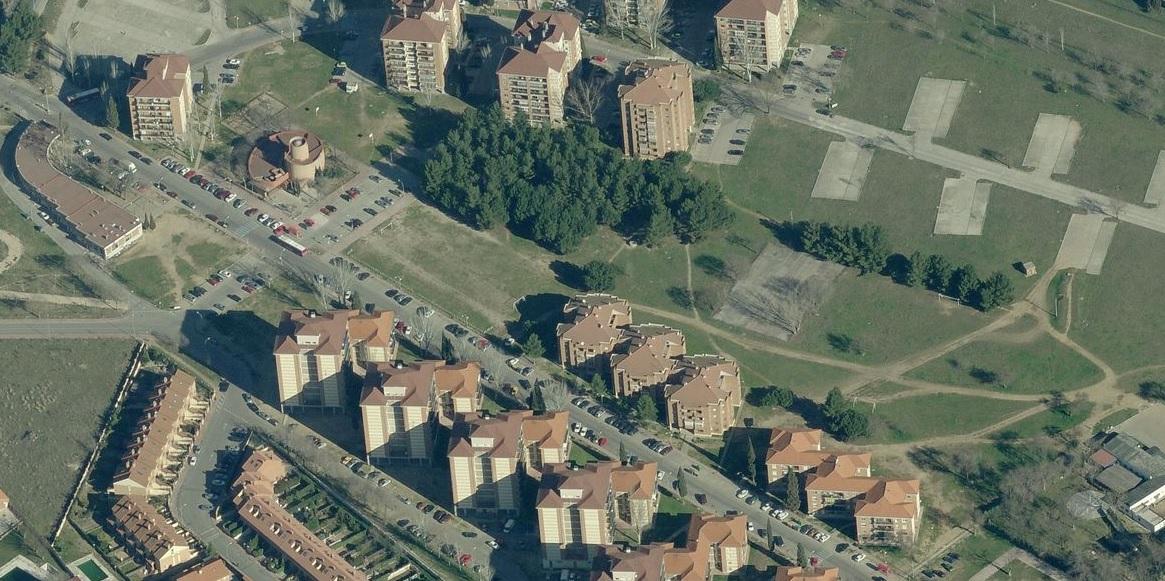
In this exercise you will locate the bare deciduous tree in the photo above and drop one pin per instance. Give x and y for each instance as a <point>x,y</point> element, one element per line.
<point>656,21</point>
<point>615,16</point>
<point>335,11</point>
<point>584,98</point>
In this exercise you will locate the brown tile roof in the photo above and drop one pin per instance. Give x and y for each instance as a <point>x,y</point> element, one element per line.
<point>841,472</point>
<point>97,220</point>
<point>808,574</point>
<point>159,76</point>
<point>703,380</point>
<point>497,437</point>
<point>890,499</point>
<point>372,329</point>
<point>460,380</point>
<point>635,480</point>
<point>214,570</point>
<point>649,349</point>
<point>163,417</point>
<point>297,326</point>
<point>800,447</point>
<point>594,318</point>
<point>260,509</point>
<point>545,25</point>
<point>656,81</point>
<point>519,61</point>
<point>415,384</point>
<point>707,529</point>
<point>549,430</point>
<point>140,521</point>
<point>645,562</point>
<point>424,28</point>
<point>749,9</point>
<point>586,487</point>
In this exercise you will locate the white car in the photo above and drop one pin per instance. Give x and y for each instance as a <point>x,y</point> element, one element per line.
<point>264,217</point>
<point>234,62</point>
<point>224,273</point>
<point>751,527</point>
<point>782,514</point>
<point>741,493</point>
<point>275,224</point>
<point>192,459</point>
<point>492,544</point>
<point>514,363</point>
<point>766,506</point>
<point>858,558</point>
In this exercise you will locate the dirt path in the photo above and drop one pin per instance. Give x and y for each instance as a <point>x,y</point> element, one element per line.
<point>1109,20</point>
<point>62,300</point>
<point>15,250</point>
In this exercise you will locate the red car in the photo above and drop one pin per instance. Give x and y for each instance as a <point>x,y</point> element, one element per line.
<point>464,559</point>
<point>308,222</point>
<point>251,212</point>
<point>248,288</point>
<point>325,210</point>
<point>214,280</point>
<point>599,58</point>
<point>602,441</point>
<point>189,174</point>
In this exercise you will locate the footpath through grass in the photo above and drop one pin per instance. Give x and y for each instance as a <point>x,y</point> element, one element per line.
<point>244,13</point>
<point>928,416</point>
<point>1041,366</point>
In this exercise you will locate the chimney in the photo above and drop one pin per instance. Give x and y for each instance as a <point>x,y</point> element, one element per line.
<point>299,150</point>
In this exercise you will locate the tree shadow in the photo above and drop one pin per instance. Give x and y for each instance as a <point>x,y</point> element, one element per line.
<point>787,233</point>
<point>983,376</point>
<point>567,273</point>
<point>897,266</point>
<point>682,297</point>
<point>538,314</point>
<point>714,266</point>
<point>428,125</point>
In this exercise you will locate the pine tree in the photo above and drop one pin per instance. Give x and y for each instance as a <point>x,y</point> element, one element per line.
<point>682,484</point>
<point>802,556</point>
<point>914,269</point>
<point>448,352</point>
<point>599,385</point>
<point>532,346</point>
<point>792,490</point>
<point>645,407</point>
<point>750,460</point>
<point>112,115</point>
<point>622,451</point>
<point>537,400</point>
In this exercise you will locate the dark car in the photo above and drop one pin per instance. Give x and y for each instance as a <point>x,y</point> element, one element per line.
<point>703,499</point>
<point>105,136</point>
<point>234,297</point>
<point>778,541</point>
<point>428,508</point>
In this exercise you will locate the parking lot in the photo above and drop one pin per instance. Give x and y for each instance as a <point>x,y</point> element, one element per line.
<point>812,73</point>
<point>722,136</point>
<point>361,203</point>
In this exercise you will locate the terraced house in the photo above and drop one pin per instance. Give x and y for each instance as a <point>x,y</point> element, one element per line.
<point>656,108</point>
<point>161,96</point>
<point>533,75</point>
<point>148,536</point>
<point>490,455</point>
<point>164,433</point>
<point>312,349</point>
<point>885,511</point>
<point>415,44</point>
<point>752,35</point>
<point>399,407</point>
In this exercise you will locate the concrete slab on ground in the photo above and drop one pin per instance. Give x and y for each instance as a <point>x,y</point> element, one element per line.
<point>781,287</point>
<point>1155,194</point>
<point>962,209</point>
<point>1052,145</point>
<point>843,172</point>
<point>933,106</point>
<point>1085,243</point>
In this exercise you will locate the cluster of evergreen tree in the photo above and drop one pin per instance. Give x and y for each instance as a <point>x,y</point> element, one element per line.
<point>557,185</point>
<point>20,29</point>
<point>865,248</point>
<point>842,419</point>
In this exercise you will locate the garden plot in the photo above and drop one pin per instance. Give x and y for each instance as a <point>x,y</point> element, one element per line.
<point>1155,195</point>
<point>780,289</point>
<point>1052,144</point>
<point>843,172</point>
<point>962,209</point>
<point>933,106</point>
<point>1086,242</point>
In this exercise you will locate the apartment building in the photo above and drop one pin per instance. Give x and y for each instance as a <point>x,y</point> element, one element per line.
<point>636,495</point>
<point>645,358</point>
<point>399,406</point>
<point>837,482</point>
<point>723,540</point>
<point>889,513</point>
<point>533,75</point>
<point>259,508</point>
<point>161,97</point>
<point>808,574</point>
<point>796,448</point>
<point>311,349</point>
<point>101,227</point>
<point>752,35</point>
<point>656,108</point>
<point>546,438</point>
<point>575,509</point>
<point>592,330</point>
<point>704,395</point>
<point>214,570</point>
<point>415,44</point>
<point>148,536</point>
<point>151,461</point>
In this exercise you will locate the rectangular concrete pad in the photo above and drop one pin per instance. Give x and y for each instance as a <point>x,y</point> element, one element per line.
<point>1100,247</point>
<point>1155,194</point>
<point>1079,245</point>
<point>933,107</point>
<point>1052,144</point>
<point>962,208</point>
<point>843,172</point>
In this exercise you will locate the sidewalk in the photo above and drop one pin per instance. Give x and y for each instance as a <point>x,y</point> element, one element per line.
<point>1021,555</point>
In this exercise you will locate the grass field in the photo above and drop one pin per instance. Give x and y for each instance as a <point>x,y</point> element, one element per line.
<point>927,416</point>
<point>1050,422</point>
<point>976,552</point>
<point>1004,95</point>
<point>1019,571</point>
<point>1113,419</point>
<point>175,257</point>
<point>1040,366</point>
<point>50,417</point>
<point>244,13</point>
<point>1116,317</point>
<point>291,72</point>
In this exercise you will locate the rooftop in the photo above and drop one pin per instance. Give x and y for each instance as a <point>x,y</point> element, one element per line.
<point>214,570</point>
<point>704,379</point>
<point>159,421</point>
<point>808,574</point>
<point>890,499</point>
<point>588,487</point>
<point>160,76</point>
<point>146,526</point>
<point>648,349</point>
<point>327,332</point>
<point>656,81</point>
<point>749,9</point>
<point>417,383</point>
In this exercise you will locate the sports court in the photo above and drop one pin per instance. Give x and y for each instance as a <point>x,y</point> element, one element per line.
<point>933,106</point>
<point>1085,243</point>
<point>962,209</point>
<point>843,173</point>
<point>1053,144</point>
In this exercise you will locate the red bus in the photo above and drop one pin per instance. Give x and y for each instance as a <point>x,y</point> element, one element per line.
<point>291,245</point>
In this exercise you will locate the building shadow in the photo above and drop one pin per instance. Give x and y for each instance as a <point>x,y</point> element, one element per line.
<point>237,345</point>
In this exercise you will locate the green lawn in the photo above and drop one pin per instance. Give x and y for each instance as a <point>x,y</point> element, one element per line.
<point>976,552</point>
<point>1113,419</point>
<point>244,13</point>
<point>927,416</point>
<point>147,278</point>
<point>1116,315</point>
<point>51,414</point>
<point>291,72</point>
<point>582,455</point>
<point>1019,571</point>
<point>1050,421</point>
<point>888,54</point>
<point>1040,366</point>
<point>282,293</point>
